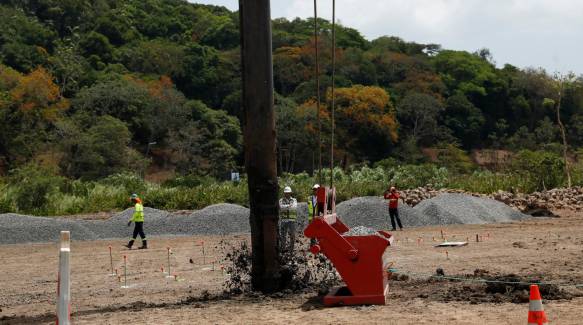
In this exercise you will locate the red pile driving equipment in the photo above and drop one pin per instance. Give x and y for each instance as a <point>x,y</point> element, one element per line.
<point>358,259</point>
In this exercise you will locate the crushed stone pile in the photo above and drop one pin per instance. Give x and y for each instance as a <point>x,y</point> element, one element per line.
<point>447,208</point>
<point>15,228</point>
<point>223,219</point>
<point>218,219</point>
<point>373,212</point>
<point>360,231</point>
<point>453,208</point>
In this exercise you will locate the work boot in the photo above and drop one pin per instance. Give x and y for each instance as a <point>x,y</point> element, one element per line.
<point>130,244</point>
<point>144,244</point>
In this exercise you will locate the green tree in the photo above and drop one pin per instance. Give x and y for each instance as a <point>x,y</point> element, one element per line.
<point>97,147</point>
<point>464,119</point>
<point>418,115</point>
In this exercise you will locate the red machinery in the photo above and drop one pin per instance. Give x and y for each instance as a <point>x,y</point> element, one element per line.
<point>358,259</point>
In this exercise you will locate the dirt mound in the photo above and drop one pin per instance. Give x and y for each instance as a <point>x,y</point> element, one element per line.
<point>482,287</point>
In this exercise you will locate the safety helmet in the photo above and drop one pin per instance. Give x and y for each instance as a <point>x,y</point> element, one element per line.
<point>134,196</point>
<point>287,189</point>
<point>316,186</point>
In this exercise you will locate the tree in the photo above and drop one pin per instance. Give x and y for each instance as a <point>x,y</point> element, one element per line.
<point>98,45</point>
<point>465,72</point>
<point>25,43</point>
<point>366,122</point>
<point>97,147</point>
<point>464,119</point>
<point>207,144</point>
<point>29,106</point>
<point>418,114</point>
<point>560,83</point>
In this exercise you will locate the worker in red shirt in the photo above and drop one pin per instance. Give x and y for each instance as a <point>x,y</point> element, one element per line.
<point>393,196</point>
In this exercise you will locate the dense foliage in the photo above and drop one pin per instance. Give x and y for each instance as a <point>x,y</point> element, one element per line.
<point>90,89</point>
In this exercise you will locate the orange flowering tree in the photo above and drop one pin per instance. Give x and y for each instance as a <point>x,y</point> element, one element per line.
<point>366,125</point>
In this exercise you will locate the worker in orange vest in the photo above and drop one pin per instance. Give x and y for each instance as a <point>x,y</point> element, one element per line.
<point>393,196</point>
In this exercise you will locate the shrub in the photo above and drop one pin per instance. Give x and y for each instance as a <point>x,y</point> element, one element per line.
<point>541,169</point>
<point>32,186</point>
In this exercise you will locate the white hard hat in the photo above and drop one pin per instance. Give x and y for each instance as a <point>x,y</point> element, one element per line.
<point>316,186</point>
<point>287,189</point>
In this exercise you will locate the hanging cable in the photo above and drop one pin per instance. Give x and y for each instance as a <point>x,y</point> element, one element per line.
<point>333,91</point>
<point>317,68</point>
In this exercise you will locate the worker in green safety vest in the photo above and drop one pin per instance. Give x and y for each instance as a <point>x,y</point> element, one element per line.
<point>138,220</point>
<point>313,203</point>
<point>288,213</point>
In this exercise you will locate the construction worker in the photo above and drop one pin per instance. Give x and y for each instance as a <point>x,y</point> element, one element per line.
<point>138,219</point>
<point>393,196</point>
<point>313,203</point>
<point>288,212</point>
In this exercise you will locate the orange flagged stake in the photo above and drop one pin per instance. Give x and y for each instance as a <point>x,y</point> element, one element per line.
<point>111,261</point>
<point>446,255</point>
<point>442,235</point>
<point>536,314</point>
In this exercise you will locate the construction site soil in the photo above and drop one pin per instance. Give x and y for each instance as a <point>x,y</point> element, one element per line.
<point>527,250</point>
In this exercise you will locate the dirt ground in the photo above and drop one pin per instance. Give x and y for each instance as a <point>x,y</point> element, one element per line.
<point>536,249</point>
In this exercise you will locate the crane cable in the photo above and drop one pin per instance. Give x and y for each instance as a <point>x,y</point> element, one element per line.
<point>318,92</point>
<point>333,92</point>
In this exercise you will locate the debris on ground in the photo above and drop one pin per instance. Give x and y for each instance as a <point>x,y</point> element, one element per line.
<point>300,271</point>
<point>482,287</point>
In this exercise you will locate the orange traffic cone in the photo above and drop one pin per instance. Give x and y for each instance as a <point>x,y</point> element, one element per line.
<point>536,314</point>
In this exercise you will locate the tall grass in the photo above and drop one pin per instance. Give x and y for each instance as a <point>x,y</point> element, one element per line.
<point>37,193</point>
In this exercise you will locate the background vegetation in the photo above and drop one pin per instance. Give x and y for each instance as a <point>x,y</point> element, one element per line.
<point>94,95</point>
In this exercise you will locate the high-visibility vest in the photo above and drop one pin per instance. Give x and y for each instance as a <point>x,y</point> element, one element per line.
<point>289,213</point>
<point>138,213</point>
<point>312,202</point>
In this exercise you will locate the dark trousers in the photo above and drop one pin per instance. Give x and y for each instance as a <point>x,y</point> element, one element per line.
<point>394,214</point>
<point>139,230</point>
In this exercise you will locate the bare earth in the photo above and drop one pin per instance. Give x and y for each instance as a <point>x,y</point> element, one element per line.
<point>547,249</point>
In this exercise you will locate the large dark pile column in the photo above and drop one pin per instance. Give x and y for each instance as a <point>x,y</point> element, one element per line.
<point>259,134</point>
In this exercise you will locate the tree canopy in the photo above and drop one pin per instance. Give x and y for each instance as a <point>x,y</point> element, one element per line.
<point>106,86</point>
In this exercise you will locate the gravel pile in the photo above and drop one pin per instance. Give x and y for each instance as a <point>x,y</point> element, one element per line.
<point>218,219</point>
<point>360,231</point>
<point>16,228</point>
<point>116,226</point>
<point>373,212</point>
<point>362,214</point>
<point>447,208</point>
<point>453,208</point>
